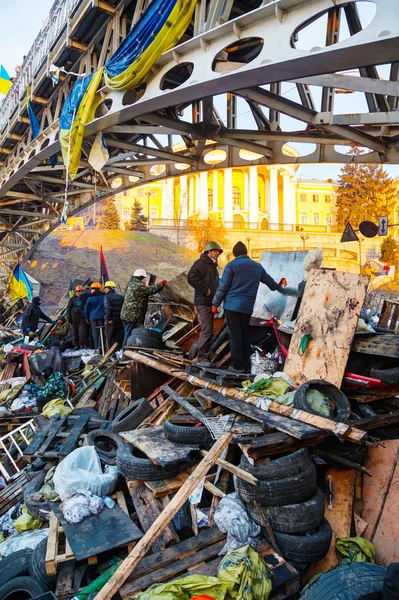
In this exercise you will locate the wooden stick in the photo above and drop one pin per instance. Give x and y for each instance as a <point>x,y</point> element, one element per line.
<point>340,429</point>
<point>343,461</point>
<point>240,473</point>
<point>185,404</point>
<point>142,547</point>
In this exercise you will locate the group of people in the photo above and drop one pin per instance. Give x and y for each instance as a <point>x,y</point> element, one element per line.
<point>237,288</point>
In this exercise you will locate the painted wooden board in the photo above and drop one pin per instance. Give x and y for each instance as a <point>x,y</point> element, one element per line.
<point>380,344</point>
<point>381,501</point>
<point>329,312</point>
<point>339,517</point>
<point>156,447</point>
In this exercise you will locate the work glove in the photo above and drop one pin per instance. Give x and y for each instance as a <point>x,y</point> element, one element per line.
<point>28,330</point>
<point>53,322</point>
<point>283,282</point>
<point>164,281</point>
<point>52,332</point>
<point>208,293</point>
<point>88,322</point>
<point>110,322</point>
<point>215,310</point>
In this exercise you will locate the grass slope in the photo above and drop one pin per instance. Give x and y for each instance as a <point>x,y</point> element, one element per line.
<point>66,255</point>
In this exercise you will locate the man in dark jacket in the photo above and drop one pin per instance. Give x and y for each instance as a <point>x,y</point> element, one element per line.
<point>32,314</point>
<point>204,278</point>
<point>238,288</point>
<point>76,319</point>
<point>112,314</point>
<point>59,332</point>
<point>83,298</point>
<point>94,313</point>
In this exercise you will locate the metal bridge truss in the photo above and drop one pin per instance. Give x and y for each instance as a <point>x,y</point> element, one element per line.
<point>235,52</point>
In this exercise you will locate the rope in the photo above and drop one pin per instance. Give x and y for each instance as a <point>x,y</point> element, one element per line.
<point>303,344</point>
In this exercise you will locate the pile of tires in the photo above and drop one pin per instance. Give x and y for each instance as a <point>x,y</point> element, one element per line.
<point>133,464</point>
<point>287,499</point>
<point>340,408</point>
<point>195,435</point>
<point>145,338</point>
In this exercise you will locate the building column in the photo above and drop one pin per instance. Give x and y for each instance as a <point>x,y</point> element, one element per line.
<point>246,191</point>
<point>168,208</point>
<point>253,208</point>
<point>274,214</point>
<point>183,209</point>
<point>191,196</point>
<point>203,198</point>
<point>228,196</point>
<point>215,190</point>
<point>197,194</point>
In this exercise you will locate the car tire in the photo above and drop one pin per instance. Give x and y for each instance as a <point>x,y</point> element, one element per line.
<point>286,466</point>
<point>132,416</point>
<point>357,581</point>
<point>142,469</point>
<point>385,372</point>
<point>101,437</point>
<point>190,436</point>
<point>34,486</point>
<point>307,547</point>
<point>291,518</point>
<point>28,587</point>
<point>37,566</point>
<point>15,565</point>
<point>342,407</point>
<point>193,352</point>
<point>278,492</point>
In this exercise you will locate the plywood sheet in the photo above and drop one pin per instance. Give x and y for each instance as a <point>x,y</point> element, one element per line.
<point>157,448</point>
<point>381,501</point>
<point>339,517</point>
<point>329,312</point>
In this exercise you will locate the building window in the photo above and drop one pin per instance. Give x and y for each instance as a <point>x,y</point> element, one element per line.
<point>154,193</point>
<point>126,214</point>
<point>327,198</point>
<point>302,197</point>
<point>304,218</point>
<point>210,199</point>
<point>316,219</point>
<point>236,199</point>
<point>154,213</point>
<point>140,193</point>
<point>328,220</point>
<point>315,197</point>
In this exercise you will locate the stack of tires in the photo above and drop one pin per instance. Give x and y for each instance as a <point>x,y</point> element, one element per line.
<point>288,500</point>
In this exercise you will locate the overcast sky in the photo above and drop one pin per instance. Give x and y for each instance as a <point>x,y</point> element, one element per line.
<point>21,20</point>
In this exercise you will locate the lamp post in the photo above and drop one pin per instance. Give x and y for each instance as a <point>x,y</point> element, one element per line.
<point>304,237</point>
<point>248,242</point>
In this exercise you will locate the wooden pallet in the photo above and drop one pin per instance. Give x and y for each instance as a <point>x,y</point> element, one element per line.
<point>59,438</point>
<point>13,492</point>
<point>58,548</point>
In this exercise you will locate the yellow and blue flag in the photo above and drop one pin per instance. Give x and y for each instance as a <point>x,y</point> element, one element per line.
<point>71,290</point>
<point>5,81</point>
<point>34,123</point>
<point>19,285</point>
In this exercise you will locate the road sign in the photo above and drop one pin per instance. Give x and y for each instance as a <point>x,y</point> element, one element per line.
<point>349,235</point>
<point>382,225</point>
<point>368,229</point>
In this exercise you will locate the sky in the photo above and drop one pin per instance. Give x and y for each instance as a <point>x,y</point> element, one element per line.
<point>21,20</point>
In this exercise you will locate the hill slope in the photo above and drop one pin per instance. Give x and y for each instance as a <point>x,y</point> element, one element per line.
<point>66,255</point>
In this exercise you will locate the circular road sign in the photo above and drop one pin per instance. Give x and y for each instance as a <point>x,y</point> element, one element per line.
<point>368,229</point>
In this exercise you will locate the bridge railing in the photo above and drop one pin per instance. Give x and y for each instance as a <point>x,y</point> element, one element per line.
<point>252,226</point>
<point>57,22</point>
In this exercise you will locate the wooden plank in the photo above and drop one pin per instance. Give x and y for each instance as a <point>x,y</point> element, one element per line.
<point>120,576</point>
<point>234,470</point>
<point>40,437</point>
<point>158,488</point>
<point>185,404</point>
<point>156,447</point>
<point>365,396</point>
<point>381,344</point>
<point>385,314</point>
<point>329,312</point>
<point>339,517</point>
<point>73,436</point>
<point>52,546</point>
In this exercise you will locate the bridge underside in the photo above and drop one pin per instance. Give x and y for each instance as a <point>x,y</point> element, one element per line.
<point>238,82</point>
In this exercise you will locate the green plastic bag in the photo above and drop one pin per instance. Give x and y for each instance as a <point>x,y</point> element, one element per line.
<point>356,549</point>
<point>245,574</point>
<point>96,585</point>
<point>185,588</point>
<point>26,522</point>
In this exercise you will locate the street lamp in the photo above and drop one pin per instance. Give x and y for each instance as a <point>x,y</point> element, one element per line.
<point>248,241</point>
<point>304,237</point>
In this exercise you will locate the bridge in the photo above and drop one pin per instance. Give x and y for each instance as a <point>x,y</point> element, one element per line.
<point>233,52</point>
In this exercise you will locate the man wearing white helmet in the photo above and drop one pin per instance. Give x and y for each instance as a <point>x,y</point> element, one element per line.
<point>135,304</point>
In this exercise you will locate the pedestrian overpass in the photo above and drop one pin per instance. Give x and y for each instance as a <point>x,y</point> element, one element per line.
<point>186,115</point>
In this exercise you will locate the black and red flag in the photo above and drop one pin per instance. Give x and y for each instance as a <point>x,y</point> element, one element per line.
<point>104,275</point>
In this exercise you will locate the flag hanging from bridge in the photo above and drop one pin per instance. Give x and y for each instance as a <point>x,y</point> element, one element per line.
<point>34,123</point>
<point>19,285</point>
<point>104,275</point>
<point>5,81</point>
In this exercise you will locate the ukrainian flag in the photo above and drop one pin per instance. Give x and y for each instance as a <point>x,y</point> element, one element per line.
<point>34,123</point>
<point>19,285</point>
<point>5,82</point>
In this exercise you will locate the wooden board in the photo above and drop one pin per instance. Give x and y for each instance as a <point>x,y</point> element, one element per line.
<point>381,344</point>
<point>339,517</point>
<point>329,312</point>
<point>381,501</point>
<point>154,444</point>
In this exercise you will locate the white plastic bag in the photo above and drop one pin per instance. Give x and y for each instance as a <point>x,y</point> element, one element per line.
<point>80,472</point>
<point>22,541</point>
<point>231,517</point>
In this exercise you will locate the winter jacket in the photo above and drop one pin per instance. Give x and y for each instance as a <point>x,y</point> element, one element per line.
<point>113,303</point>
<point>61,329</point>
<point>94,307</point>
<point>31,317</point>
<point>204,276</point>
<point>239,284</point>
<point>74,309</point>
<point>83,298</point>
<point>136,300</point>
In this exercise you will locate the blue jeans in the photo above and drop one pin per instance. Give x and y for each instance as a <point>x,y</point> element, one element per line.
<point>128,327</point>
<point>95,330</point>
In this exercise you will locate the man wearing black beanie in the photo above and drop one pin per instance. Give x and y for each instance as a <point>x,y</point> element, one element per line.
<point>238,288</point>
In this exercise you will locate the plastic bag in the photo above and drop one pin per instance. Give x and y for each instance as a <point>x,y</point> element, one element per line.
<point>26,521</point>
<point>245,575</point>
<point>185,589</point>
<point>7,520</point>
<point>312,260</point>
<point>355,549</point>
<point>231,517</point>
<point>28,539</point>
<point>80,472</point>
<point>56,407</point>
<point>79,506</point>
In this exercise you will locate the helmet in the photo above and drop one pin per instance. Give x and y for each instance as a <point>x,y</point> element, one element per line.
<point>110,284</point>
<point>79,288</point>
<point>139,273</point>
<point>213,246</point>
<point>95,286</point>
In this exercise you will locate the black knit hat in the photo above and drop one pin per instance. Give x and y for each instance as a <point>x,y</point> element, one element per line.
<point>240,249</point>
<point>391,582</point>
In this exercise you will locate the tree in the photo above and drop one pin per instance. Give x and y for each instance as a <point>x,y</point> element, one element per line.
<point>389,251</point>
<point>206,230</point>
<point>138,222</point>
<point>365,192</point>
<point>109,218</point>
